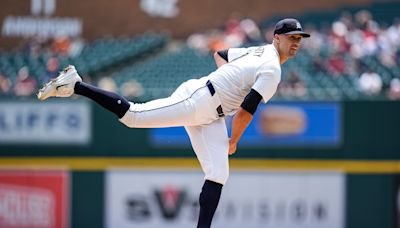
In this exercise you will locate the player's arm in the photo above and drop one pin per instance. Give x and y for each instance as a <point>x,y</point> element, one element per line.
<point>243,117</point>
<point>221,58</point>
<point>263,89</point>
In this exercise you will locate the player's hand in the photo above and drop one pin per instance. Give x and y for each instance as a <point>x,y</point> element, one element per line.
<point>232,147</point>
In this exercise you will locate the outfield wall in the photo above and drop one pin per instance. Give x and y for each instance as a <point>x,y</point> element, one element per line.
<point>311,130</point>
<point>347,179</point>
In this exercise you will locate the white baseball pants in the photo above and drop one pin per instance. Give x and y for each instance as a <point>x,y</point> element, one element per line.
<point>193,107</point>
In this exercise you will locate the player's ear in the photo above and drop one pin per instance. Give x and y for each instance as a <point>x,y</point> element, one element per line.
<point>276,38</point>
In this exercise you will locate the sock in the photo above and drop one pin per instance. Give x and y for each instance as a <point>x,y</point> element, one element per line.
<point>109,100</point>
<point>209,199</point>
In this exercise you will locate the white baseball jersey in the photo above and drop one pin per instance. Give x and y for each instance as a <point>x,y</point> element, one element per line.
<point>255,68</point>
<point>195,106</point>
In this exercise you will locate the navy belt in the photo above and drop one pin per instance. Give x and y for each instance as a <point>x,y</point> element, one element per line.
<point>212,91</point>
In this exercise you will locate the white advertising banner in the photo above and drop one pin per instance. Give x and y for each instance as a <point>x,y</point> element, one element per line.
<point>164,198</point>
<point>45,122</point>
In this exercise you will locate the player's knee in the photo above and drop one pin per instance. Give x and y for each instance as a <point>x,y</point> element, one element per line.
<point>221,176</point>
<point>225,176</point>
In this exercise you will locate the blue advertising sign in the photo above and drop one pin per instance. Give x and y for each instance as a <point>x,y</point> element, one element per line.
<point>285,124</point>
<point>45,123</point>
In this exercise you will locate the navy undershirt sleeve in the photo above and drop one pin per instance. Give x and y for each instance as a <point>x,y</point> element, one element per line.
<point>251,101</point>
<point>223,54</point>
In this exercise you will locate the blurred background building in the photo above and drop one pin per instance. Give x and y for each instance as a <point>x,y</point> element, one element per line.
<point>323,153</point>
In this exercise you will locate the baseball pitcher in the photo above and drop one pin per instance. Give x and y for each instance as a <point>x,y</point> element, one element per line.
<point>244,78</point>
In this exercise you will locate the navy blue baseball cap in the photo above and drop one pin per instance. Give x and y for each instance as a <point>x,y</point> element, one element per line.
<point>289,26</point>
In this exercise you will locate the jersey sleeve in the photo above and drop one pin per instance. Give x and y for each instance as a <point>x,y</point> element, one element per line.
<point>234,53</point>
<point>267,82</point>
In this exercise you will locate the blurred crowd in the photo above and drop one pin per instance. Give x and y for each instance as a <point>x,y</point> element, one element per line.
<point>338,49</point>
<point>26,84</point>
<point>236,32</point>
<point>348,46</point>
<point>358,45</point>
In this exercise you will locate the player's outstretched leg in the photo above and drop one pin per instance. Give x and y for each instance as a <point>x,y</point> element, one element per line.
<point>209,199</point>
<point>69,82</point>
<point>109,100</point>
